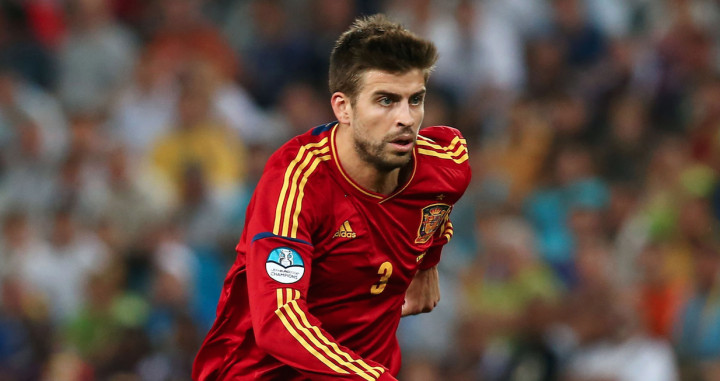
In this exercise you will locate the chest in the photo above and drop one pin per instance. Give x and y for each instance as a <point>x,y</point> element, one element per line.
<point>368,248</point>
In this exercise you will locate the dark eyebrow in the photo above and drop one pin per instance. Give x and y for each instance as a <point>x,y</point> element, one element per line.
<point>421,92</point>
<point>395,96</point>
<point>392,96</point>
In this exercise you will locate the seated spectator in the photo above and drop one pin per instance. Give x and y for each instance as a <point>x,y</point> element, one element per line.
<point>572,185</point>
<point>21,49</point>
<point>199,140</point>
<point>145,106</point>
<point>660,297</point>
<point>502,283</point>
<point>61,272</point>
<point>613,344</point>
<point>95,59</point>
<point>183,34</point>
<point>697,335</point>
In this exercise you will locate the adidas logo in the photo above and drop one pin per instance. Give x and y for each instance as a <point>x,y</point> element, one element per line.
<point>345,231</point>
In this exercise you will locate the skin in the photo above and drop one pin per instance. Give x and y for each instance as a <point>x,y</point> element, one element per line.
<point>375,139</point>
<point>423,294</point>
<point>378,130</point>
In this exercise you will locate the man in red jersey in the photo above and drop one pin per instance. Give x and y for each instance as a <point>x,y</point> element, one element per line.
<point>345,228</point>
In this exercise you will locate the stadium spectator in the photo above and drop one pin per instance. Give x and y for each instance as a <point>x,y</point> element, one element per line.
<point>95,59</point>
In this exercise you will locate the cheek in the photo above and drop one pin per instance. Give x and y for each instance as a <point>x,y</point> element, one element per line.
<point>376,115</point>
<point>419,113</point>
<point>366,131</point>
<point>371,124</point>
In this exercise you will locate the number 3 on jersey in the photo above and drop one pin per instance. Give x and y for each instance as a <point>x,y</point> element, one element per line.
<point>384,271</point>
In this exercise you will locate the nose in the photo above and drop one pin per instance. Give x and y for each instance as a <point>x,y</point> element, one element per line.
<point>405,116</point>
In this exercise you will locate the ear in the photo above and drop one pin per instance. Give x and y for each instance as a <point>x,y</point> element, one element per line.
<point>341,107</point>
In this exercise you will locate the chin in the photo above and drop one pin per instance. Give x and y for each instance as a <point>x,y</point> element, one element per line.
<point>394,162</point>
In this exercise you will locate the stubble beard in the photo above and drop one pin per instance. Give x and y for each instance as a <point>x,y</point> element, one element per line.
<point>375,155</point>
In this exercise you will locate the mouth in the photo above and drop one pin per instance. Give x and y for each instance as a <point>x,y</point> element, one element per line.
<point>403,143</point>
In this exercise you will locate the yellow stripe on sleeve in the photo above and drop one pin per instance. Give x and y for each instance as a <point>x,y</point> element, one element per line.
<point>289,326</point>
<point>427,142</point>
<point>375,371</point>
<point>325,350</point>
<point>452,153</point>
<point>286,181</point>
<point>291,197</point>
<point>456,151</point>
<point>301,195</point>
<point>281,198</point>
<point>444,155</point>
<point>307,346</point>
<point>294,320</point>
<point>449,231</point>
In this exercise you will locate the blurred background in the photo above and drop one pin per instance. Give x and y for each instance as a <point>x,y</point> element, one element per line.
<point>132,133</point>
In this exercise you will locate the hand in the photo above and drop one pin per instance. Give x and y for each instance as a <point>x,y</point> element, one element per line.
<point>423,294</point>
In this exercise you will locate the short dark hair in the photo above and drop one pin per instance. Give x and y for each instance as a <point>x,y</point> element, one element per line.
<point>374,42</point>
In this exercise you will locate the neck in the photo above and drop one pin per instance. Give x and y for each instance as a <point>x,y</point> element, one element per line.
<point>363,173</point>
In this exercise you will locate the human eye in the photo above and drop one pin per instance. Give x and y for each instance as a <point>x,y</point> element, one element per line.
<point>417,100</point>
<point>385,101</point>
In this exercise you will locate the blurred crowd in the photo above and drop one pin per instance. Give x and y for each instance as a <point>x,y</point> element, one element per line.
<point>132,133</point>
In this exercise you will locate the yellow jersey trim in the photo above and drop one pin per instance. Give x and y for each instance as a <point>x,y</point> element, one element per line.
<point>455,151</point>
<point>295,321</point>
<point>293,189</point>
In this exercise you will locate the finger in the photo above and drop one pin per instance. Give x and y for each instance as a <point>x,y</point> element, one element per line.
<point>409,309</point>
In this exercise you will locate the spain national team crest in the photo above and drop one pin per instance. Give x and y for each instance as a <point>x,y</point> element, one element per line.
<point>432,217</point>
<point>285,265</point>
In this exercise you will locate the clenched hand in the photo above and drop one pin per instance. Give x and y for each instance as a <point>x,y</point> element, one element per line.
<point>423,294</point>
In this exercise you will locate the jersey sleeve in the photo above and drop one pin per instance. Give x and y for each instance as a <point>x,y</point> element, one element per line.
<point>448,148</point>
<point>285,212</point>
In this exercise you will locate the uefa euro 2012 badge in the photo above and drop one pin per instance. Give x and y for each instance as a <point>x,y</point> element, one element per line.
<point>285,265</point>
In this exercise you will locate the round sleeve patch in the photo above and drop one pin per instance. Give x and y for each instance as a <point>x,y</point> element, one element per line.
<point>285,265</point>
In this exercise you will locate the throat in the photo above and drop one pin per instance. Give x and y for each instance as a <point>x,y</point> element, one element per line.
<point>386,184</point>
<point>368,176</point>
<point>382,182</point>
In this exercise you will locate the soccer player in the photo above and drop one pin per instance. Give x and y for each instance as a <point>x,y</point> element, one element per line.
<point>345,228</point>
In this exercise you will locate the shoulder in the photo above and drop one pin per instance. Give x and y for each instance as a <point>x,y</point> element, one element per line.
<point>294,185</point>
<point>442,154</point>
<point>306,150</point>
<point>301,161</point>
<point>444,145</point>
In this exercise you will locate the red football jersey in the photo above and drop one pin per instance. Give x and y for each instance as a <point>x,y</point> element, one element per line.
<point>322,266</point>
